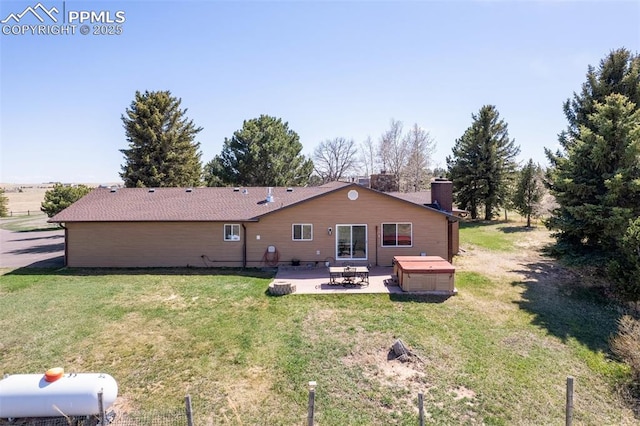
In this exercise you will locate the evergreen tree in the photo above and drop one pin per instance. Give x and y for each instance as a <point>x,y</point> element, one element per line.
<point>619,72</point>
<point>529,190</point>
<point>162,149</point>
<point>597,182</point>
<point>265,152</point>
<point>4,204</point>
<point>212,172</point>
<point>624,270</point>
<point>483,164</point>
<point>60,197</point>
<point>593,175</point>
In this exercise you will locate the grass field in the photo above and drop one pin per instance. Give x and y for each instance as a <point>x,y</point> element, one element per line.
<point>24,208</point>
<point>24,198</point>
<point>497,353</point>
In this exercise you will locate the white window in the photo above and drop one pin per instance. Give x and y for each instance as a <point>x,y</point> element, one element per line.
<point>396,234</point>
<point>351,242</point>
<point>302,232</point>
<point>232,232</point>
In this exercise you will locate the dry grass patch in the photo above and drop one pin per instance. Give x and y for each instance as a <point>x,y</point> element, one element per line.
<point>498,353</point>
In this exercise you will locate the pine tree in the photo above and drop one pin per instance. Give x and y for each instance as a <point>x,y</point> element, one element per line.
<point>597,182</point>
<point>483,164</point>
<point>162,149</point>
<point>625,268</point>
<point>594,149</point>
<point>619,72</point>
<point>529,190</point>
<point>265,152</point>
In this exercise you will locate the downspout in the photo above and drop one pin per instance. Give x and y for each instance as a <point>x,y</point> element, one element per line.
<point>449,240</point>
<point>66,244</point>
<point>244,246</point>
<point>376,245</point>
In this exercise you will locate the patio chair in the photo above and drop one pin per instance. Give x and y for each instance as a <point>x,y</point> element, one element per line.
<point>348,275</point>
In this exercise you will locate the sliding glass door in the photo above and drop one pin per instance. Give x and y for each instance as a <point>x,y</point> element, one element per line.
<point>351,242</point>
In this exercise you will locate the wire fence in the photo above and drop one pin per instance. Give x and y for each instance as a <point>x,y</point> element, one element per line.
<point>185,416</point>
<point>15,213</point>
<point>158,418</point>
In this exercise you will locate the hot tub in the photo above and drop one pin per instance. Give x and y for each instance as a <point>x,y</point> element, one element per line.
<point>431,274</point>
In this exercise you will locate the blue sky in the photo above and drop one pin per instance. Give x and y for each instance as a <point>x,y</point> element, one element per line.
<point>330,69</point>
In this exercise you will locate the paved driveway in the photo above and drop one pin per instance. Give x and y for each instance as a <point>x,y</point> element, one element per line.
<point>41,249</point>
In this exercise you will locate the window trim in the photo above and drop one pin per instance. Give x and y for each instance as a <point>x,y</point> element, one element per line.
<point>302,225</point>
<point>397,224</point>
<point>232,225</point>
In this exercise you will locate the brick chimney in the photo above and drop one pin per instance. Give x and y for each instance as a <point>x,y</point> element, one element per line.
<point>442,194</point>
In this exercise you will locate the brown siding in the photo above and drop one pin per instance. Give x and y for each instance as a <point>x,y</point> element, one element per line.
<point>147,244</point>
<point>372,209</point>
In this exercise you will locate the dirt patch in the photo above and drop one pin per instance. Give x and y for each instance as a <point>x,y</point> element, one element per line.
<point>518,265</point>
<point>377,366</point>
<point>461,393</point>
<point>514,265</point>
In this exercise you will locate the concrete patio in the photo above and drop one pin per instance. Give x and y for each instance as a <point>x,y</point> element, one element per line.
<point>315,280</point>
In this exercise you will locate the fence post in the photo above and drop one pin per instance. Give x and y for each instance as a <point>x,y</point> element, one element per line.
<point>421,408</point>
<point>101,408</point>
<point>187,403</point>
<point>312,402</point>
<point>569,408</point>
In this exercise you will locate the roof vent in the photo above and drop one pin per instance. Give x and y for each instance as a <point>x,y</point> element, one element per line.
<point>113,190</point>
<point>289,189</point>
<point>270,195</point>
<point>245,191</point>
<point>236,189</point>
<point>152,190</point>
<point>189,190</point>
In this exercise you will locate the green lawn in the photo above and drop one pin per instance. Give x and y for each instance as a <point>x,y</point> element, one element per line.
<point>497,353</point>
<point>496,236</point>
<point>37,221</point>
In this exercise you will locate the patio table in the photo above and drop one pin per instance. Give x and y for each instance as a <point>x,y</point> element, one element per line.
<point>349,275</point>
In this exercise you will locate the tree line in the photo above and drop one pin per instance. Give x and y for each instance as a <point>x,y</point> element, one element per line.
<point>594,177</point>
<point>163,151</point>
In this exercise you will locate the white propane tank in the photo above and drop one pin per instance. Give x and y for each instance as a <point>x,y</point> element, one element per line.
<point>32,395</point>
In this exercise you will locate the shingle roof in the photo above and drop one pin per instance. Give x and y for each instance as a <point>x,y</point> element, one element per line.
<point>180,204</point>
<point>421,197</point>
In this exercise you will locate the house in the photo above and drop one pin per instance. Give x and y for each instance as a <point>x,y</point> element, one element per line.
<point>337,223</point>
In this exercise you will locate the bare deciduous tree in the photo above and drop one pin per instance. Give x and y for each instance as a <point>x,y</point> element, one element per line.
<point>368,156</point>
<point>392,149</point>
<point>334,158</point>
<point>420,148</point>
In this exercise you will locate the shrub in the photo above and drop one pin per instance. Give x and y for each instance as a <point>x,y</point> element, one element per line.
<point>4,204</point>
<point>61,197</point>
<point>626,345</point>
